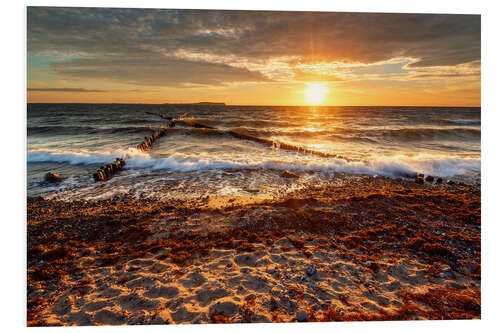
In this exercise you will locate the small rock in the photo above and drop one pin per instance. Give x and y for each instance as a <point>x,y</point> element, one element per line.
<point>52,177</point>
<point>429,179</point>
<point>450,182</point>
<point>302,316</point>
<point>419,180</point>
<point>439,180</point>
<point>311,270</point>
<point>289,174</point>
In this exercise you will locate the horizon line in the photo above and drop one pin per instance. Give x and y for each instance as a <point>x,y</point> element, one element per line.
<point>198,104</point>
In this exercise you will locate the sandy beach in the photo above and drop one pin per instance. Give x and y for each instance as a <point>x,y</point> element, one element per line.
<point>358,248</point>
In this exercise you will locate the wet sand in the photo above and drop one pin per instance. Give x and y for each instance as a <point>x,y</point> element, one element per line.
<point>359,248</point>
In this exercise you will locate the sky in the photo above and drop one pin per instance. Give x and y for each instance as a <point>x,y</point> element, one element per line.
<point>105,55</point>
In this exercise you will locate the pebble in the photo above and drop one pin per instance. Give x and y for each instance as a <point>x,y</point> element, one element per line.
<point>302,316</point>
<point>311,270</point>
<point>289,174</point>
<point>52,177</point>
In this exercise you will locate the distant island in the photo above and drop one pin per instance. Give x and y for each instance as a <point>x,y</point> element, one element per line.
<point>199,103</point>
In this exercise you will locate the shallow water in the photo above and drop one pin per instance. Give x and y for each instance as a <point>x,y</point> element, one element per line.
<point>75,139</point>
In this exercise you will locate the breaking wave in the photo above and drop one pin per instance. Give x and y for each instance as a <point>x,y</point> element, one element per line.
<point>392,166</point>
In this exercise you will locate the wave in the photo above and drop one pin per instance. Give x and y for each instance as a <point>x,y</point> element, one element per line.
<point>431,133</point>
<point>76,130</point>
<point>132,129</point>
<point>79,158</point>
<point>332,134</point>
<point>417,133</point>
<point>462,122</point>
<point>392,166</point>
<point>268,123</point>
<point>360,135</point>
<point>61,130</point>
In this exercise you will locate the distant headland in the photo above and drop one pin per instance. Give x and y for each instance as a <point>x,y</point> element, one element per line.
<point>199,103</point>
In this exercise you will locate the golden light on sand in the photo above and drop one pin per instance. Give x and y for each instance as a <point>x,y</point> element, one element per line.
<point>315,93</point>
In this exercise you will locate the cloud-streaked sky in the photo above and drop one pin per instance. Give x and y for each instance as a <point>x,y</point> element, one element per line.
<point>251,57</point>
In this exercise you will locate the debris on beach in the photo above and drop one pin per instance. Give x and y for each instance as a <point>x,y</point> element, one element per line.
<point>289,174</point>
<point>52,177</point>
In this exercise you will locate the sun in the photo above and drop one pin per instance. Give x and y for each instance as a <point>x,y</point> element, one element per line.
<point>315,93</point>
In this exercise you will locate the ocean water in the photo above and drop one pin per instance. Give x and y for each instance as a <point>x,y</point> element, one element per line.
<point>74,140</point>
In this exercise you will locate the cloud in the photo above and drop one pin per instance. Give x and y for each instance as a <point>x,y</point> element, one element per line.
<point>444,75</point>
<point>67,90</point>
<point>314,77</point>
<point>154,71</point>
<point>142,46</point>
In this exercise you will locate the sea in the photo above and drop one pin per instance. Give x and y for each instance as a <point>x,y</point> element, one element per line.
<point>74,140</point>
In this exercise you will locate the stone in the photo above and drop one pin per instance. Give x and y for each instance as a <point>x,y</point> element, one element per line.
<point>429,179</point>
<point>450,182</point>
<point>52,177</point>
<point>289,174</point>
<point>439,180</point>
<point>419,180</point>
<point>311,270</point>
<point>302,316</point>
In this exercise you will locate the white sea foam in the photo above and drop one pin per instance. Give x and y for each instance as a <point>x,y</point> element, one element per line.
<point>79,157</point>
<point>396,165</point>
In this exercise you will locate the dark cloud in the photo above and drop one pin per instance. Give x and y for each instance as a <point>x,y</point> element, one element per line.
<point>154,71</point>
<point>67,89</point>
<point>135,45</point>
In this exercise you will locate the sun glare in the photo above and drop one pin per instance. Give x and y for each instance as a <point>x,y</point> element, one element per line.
<point>315,93</point>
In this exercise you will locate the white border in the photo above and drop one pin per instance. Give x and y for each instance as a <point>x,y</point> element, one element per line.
<point>13,139</point>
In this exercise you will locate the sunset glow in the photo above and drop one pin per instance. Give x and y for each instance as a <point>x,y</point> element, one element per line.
<point>184,56</point>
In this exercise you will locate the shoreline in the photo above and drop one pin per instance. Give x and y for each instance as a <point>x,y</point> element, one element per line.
<point>367,249</point>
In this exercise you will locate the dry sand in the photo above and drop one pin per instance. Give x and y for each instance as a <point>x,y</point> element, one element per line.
<point>360,248</point>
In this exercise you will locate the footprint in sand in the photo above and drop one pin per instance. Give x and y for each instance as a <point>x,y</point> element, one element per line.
<point>164,292</point>
<point>194,279</point>
<point>134,302</point>
<point>183,315</point>
<point>206,296</point>
<point>256,283</point>
<point>110,292</point>
<point>94,306</point>
<point>80,318</point>
<point>227,309</point>
<point>141,282</point>
<point>109,318</point>
<point>249,260</point>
